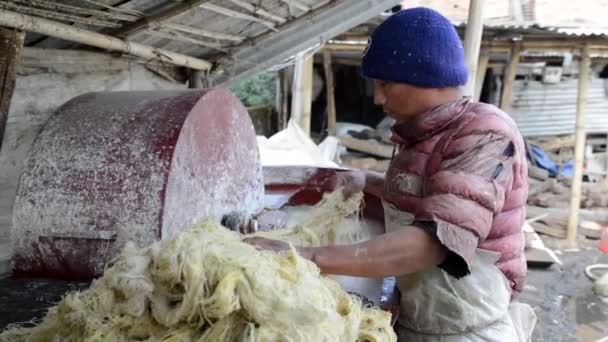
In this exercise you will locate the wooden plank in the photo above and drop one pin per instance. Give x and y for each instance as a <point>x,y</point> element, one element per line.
<point>538,258</point>
<point>11,43</point>
<point>368,146</point>
<point>542,228</point>
<point>579,147</point>
<point>329,88</point>
<point>537,173</point>
<point>591,229</point>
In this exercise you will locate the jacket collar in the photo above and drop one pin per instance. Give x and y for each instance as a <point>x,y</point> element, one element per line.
<point>429,123</point>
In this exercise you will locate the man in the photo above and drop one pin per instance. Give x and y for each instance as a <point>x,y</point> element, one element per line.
<point>454,195</point>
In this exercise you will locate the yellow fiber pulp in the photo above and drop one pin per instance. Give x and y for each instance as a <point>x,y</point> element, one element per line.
<point>207,285</point>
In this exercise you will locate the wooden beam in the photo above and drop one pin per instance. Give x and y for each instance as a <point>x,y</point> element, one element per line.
<point>74,34</point>
<point>11,43</point>
<point>480,74</point>
<point>155,20</point>
<point>301,103</point>
<point>329,88</point>
<point>509,78</point>
<point>579,147</point>
<point>472,43</point>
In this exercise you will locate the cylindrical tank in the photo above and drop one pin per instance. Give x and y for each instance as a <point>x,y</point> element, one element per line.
<point>108,168</point>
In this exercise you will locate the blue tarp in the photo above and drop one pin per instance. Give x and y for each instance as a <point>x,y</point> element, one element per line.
<point>543,161</point>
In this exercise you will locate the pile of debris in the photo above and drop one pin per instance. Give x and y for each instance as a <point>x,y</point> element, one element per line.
<point>367,148</point>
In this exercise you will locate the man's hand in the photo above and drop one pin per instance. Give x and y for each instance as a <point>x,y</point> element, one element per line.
<point>264,244</point>
<point>351,182</point>
<point>240,222</point>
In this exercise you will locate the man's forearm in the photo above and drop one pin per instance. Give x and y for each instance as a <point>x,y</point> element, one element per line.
<point>374,183</point>
<point>406,251</point>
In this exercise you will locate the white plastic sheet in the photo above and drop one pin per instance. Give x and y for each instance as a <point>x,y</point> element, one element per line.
<point>292,147</point>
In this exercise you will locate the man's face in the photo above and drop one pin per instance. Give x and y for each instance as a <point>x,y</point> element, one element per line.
<point>398,100</point>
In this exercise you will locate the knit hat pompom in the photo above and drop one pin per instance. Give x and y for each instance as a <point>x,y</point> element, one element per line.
<point>417,46</point>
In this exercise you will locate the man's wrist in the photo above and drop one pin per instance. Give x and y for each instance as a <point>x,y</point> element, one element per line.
<point>307,253</point>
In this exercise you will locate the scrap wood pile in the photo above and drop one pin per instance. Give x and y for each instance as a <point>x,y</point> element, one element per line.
<point>549,192</point>
<point>368,148</point>
<point>206,284</point>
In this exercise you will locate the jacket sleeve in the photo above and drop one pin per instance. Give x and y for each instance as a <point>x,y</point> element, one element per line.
<point>464,192</point>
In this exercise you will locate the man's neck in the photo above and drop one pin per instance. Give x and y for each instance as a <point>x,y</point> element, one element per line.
<point>438,97</point>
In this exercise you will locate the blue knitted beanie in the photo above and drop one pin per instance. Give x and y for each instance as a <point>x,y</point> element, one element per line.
<point>416,46</point>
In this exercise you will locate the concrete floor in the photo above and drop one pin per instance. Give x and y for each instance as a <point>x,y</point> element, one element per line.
<point>562,298</point>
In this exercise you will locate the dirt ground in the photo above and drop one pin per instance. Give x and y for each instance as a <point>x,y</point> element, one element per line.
<point>561,296</point>
<point>564,301</point>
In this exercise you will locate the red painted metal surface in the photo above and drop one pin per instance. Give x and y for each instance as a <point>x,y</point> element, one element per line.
<point>306,185</point>
<point>604,242</point>
<point>109,168</point>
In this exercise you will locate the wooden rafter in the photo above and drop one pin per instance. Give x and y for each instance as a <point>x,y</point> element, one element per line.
<point>204,33</point>
<point>258,11</point>
<point>297,4</point>
<point>170,34</point>
<point>238,15</point>
<point>155,20</point>
<point>57,15</point>
<point>56,6</point>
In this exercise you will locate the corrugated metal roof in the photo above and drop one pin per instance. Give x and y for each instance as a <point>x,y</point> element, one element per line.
<point>548,109</point>
<point>527,27</point>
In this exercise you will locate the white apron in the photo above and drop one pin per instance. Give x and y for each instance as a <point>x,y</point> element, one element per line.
<point>438,307</point>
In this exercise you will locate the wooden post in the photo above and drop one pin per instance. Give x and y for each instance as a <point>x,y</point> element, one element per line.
<point>509,78</point>
<point>284,99</point>
<point>472,42</point>
<point>579,147</point>
<point>329,87</point>
<point>301,103</point>
<point>606,158</point>
<point>195,81</point>
<point>11,43</point>
<point>482,66</point>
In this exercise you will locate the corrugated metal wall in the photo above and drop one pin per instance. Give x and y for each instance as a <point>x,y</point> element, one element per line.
<point>550,109</point>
